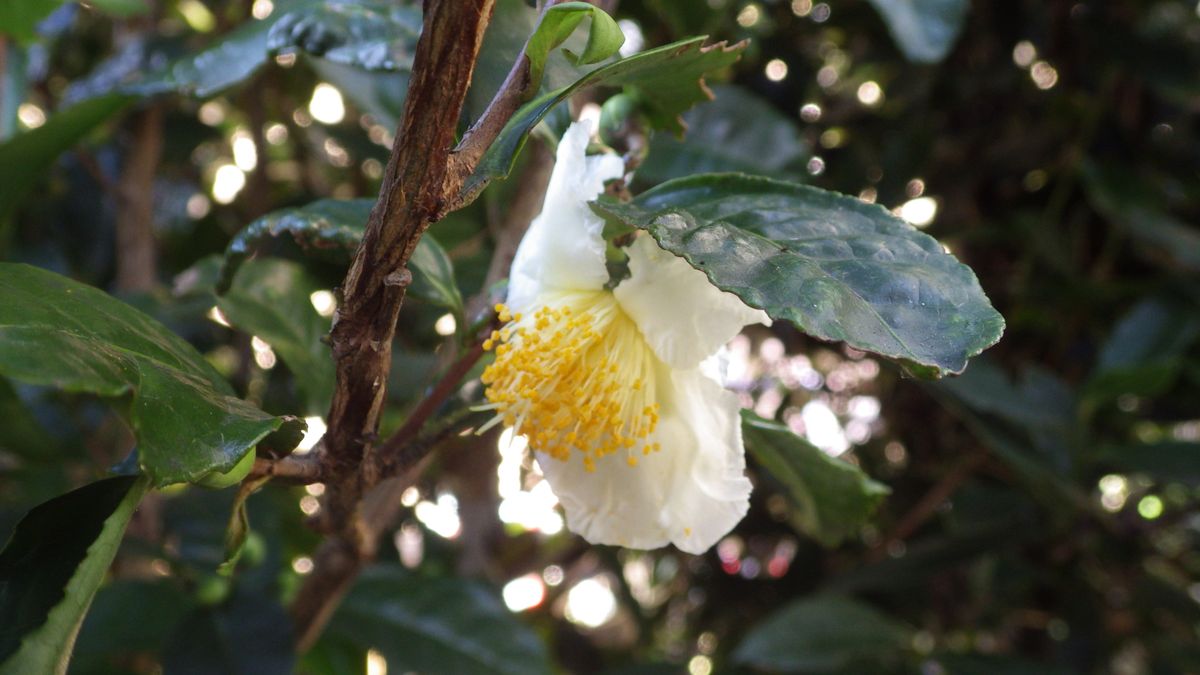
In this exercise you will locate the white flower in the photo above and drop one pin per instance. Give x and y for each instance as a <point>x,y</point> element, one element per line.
<point>641,447</point>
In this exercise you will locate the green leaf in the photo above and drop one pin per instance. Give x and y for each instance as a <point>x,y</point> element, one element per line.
<point>369,34</point>
<point>60,333</point>
<point>513,21</point>
<point>838,268</point>
<point>835,498</point>
<point>436,626</point>
<point>25,157</point>
<point>19,18</point>
<point>925,30</point>
<point>433,276</point>
<point>270,299</point>
<point>331,229</point>
<point>234,57</point>
<point>668,81</point>
<point>1144,354</point>
<point>737,131</point>
<point>1029,424</point>
<point>51,568</point>
<point>557,24</point>
<point>822,633</point>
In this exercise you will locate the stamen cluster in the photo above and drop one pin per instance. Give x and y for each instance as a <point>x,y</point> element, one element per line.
<point>576,375</point>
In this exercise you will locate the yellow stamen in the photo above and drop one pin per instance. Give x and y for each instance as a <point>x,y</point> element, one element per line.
<point>576,375</point>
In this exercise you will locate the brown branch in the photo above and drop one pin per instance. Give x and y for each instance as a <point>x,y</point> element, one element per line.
<point>386,451</point>
<point>412,196</point>
<point>301,468</point>
<point>137,250</point>
<point>404,458</point>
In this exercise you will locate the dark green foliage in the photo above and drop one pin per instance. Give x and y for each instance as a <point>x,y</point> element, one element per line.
<point>821,634</point>
<point>57,332</point>
<point>436,626</point>
<point>51,567</point>
<point>1035,514</point>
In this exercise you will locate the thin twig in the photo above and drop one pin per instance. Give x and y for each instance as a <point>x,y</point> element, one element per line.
<point>137,249</point>
<point>407,455</point>
<point>929,503</point>
<point>301,468</point>
<point>518,88</point>
<point>386,453</point>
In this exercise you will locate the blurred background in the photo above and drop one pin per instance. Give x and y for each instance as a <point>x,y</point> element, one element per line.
<point>1035,515</point>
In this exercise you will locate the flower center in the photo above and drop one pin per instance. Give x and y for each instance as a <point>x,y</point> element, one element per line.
<point>576,375</point>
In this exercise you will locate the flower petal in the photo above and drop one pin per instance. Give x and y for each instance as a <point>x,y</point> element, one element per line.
<point>690,493</point>
<point>563,249</point>
<point>681,314</point>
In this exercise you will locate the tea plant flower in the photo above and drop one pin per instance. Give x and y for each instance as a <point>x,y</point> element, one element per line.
<point>642,447</point>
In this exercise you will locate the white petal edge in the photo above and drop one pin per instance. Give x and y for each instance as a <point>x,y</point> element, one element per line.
<point>563,249</point>
<point>683,317</point>
<point>691,493</point>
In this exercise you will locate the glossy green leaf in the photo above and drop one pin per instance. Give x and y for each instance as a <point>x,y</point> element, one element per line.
<point>24,158</point>
<point>233,58</point>
<point>737,131</point>
<point>667,81</point>
<point>369,34</point>
<point>834,498</point>
<point>557,24</point>
<point>51,568</point>
<point>925,30</point>
<point>822,633</point>
<point>60,333</point>
<point>270,299</point>
<point>838,268</point>
<point>331,229</point>
<point>437,626</point>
